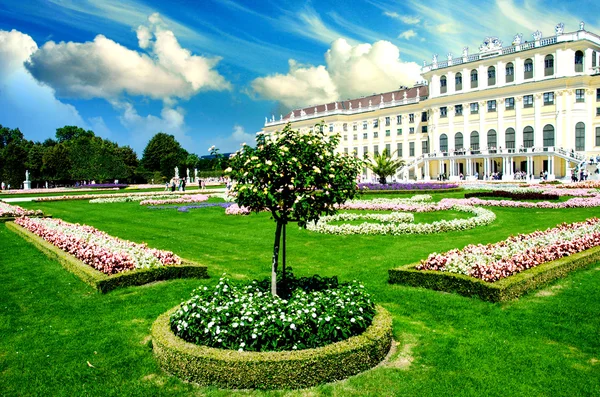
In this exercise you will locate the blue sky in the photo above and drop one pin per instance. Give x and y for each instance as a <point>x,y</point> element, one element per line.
<point>210,71</point>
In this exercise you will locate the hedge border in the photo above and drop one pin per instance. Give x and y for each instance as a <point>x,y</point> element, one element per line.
<point>105,283</point>
<point>231,369</point>
<point>502,290</point>
<point>415,191</point>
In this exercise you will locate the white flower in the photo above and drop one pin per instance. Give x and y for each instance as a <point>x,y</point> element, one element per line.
<point>293,326</point>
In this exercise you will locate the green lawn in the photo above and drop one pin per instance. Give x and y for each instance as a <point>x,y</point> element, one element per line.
<point>52,325</point>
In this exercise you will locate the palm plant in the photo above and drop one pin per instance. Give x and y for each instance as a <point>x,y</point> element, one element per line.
<point>383,165</point>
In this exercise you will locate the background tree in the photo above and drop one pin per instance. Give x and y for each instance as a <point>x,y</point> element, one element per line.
<point>383,165</point>
<point>163,153</point>
<point>70,132</point>
<point>296,176</point>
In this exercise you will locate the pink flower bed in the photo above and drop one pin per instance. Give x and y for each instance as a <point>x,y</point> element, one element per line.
<point>575,202</point>
<point>97,249</point>
<point>197,198</point>
<point>16,211</point>
<point>493,262</point>
<point>235,209</point>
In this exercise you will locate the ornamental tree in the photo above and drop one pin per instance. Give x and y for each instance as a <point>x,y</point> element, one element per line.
<point>383,165</point>
<point>297,176</point>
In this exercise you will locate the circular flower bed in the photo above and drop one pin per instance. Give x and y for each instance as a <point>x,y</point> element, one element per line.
<point>242,337</point>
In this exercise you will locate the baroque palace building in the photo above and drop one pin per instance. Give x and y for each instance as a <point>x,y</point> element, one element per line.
<point>515,111</point>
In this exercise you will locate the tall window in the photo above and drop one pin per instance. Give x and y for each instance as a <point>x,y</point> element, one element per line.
<point>474,78</point>
<point>411,149</point>
<point>458,81</point>
<point>528,71</point>
<point>443,111</point>
<point>597,94</point>
<point>548,135</point>
<point>491,75</point>
<point>594,59</point>
<point>398,119</point>
<point>375,134</point>
<point>387,121</point>
<point>354,127</point>
<point>330,127</point>
<point>423,116</point>
<point>399,131</point>
<point>387,133</point>
<point>474,107</point>
<point>376,150</point>
<point>579,61</point>
<point>492,140</point>
<point>509,103</point>
<point>424,147</point>
<point>580,95</point>
<point>597,136</point>
<point>345,126</point>
<point>411,118</point>
<point>491,105</point>
<point>528,136</point>
<point>510,138</point>
<point>458,109</point>
<point>399,150</point>
<point>443,143</point>
<point>388,149</point>
<point>411,130</point>
<point>375,123</point>
<point>364,125</point>
<point>527,101</point>
<point>443,85</point>
<point>548,65</point>
<point>475,140</point>
<point>458,141</point>
<point>510,72</point>
<point>548,98</point>
<point>579,136</point>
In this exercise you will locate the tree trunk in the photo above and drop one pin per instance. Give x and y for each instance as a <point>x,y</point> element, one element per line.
<point>275,259</point>
<point>283,255</point>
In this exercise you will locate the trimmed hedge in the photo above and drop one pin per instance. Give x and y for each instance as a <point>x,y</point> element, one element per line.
<point>103,282</point>
<point>416,191</point>
<point>513,195</point>
<point>231,369</point>
<point>502,290</point>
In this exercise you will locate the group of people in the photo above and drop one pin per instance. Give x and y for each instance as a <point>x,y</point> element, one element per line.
<point>5,186</point>
<point>175,183</point>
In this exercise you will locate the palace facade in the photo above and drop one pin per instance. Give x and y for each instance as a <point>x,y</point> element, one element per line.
<point>526,109</point>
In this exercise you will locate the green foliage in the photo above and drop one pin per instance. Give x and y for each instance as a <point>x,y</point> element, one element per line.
<point>271,370</point>
<point>383,165</point>
<point>163,153</point>
<point>285,287</point>
<point>505,289</point>
<point>71,132</point>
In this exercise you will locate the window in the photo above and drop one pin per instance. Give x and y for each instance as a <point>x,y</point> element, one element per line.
<point>388,149</point>
<point>458,141</point>
<point>528,137</point>
<point>473,78</point>
<point>330,127</point>
<point>399,131</point>
<point>443,85</point>
<point>580,95</point>
<point>399,150</point>
<point>548,135</point>
<point>579,61</point>
<point>579,136</point>
<point>411,118</point>
<point>411,130</point>
<point>443,143</point>
<point>510,72</point>
<point>548,65</point>
<point>346,150</point>
<point>475,140</point>
<point>443,111</point>
<point>491,105</point>
<point>597,94</point>
<point>387,121</point>
<point>548,98</point>
<point>364,125</point>
<point>345,126</point>
<point>411,149</point>
<point>355,137</point>
<point>424,129</point>
<point>354,127</point>
<point>375,123</point>
<point>355,151</point>
<point>492,139</point>
<point>528,69</point>
<point>458,109</point>
<point>458,81</point>
<point>509,103</point>
<point>398,119</point>
<point>424,147</point>
<point>594,59</point>
<point>474,108</point>
<point>423,116</point>
<point>376,150</point>
<point>387,132</point>
<point>491,75</point>
<point>528,101</point>
<point>345,137</point>
<point>510,138</point>
<point>365,136</point>
<point>375,134</point>
<point>597,136</point>
<point>365,151</point>
<point>597,111</point>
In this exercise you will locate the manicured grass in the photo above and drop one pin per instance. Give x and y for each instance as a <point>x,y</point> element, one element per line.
<point>546,343</point>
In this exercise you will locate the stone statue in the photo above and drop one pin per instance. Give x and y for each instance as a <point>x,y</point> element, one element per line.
<point>336,106</point>
<point>537,35</point>
<point>465,52</point>
<point>435,58</point>
<point>370,104</point>
<point>518,39</point>
<point>381,99</point>
<point>559,28</point>
<point>195,173</point>
<point>350,105</point>
<point>393,97</point>
<point>27,175</point>
<point>424,63</point>
<point>176,172</point>
<point>449,56</point>
<point>581,25</point>
<point>188,173</point>
<point>266,121</point>
<point>490,44</point>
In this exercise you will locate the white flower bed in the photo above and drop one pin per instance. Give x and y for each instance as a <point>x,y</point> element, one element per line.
<point>129,199</point>
<point>14,210</point>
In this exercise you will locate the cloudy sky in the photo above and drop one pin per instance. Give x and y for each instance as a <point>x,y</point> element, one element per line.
<point>210,71</point>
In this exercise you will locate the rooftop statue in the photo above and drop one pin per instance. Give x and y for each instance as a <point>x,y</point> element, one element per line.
<point>518,39</point>
<point>537,35</point>
<point>465,52</point>
<point>559,28</point>
<point>449,56</point>
<point>490,44</point>
<point>581,25</point>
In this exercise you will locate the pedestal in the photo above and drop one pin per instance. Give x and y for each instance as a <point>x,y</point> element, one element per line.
<point>27,185</point>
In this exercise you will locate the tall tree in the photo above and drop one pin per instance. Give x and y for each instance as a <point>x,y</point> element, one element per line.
<point>163,153</point>
<point>69,132</point>
<point>296,176</point>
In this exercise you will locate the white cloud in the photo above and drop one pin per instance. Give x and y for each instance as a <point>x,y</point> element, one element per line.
<point>351,71</point>
<point>105,69</point>
<point>407,19</point>
<point>232,142</point>
<point>407,35</point>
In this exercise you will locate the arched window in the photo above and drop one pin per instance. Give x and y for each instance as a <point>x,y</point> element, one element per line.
<point>548,65</point>
<point>548,135</point>
<point>492,139</point>
<point>443,85</point>
<point>510,138</point>
<point>579,61</point>
<point>528,71</point>
<point>579,136</point>
<point>458,81</point>
<point>475,140</point>
<point>474,78</point>
<point>491,75</point>
<point>528,137</point>
<point>458,141</point>
<point>510,72</point>
<point>443,143</point>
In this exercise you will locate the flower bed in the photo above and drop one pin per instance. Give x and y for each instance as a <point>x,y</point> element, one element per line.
<point>408,186</point>
<point>534,195</point>
<point>197,198</point>
<point>482,217</point>
<point>134,194</point>
<point>8,211</point>
<point>129,199</point>
<point>186,208</point>
<point>575,202</point>
<point>170,266</point>
<point>103,186</point>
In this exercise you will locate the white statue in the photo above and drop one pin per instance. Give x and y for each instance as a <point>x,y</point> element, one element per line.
<point>195,173</point>
<point>490,44</point>
<point>465,52</point>
<point>370,104</point>
<point>393,97</point>
<point>518,39</point>
<point>176,172</point>
<point>27,175</point>
<point>435,58</point>
<point>424,63</point>
<point>188,173</point>
<point>537,35</point>
<point>336,106</point>
<point>381,99</point>
<point>559,28</point>
<point>449,56</point>
<point>581,25</point>
<point>350,105</point>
